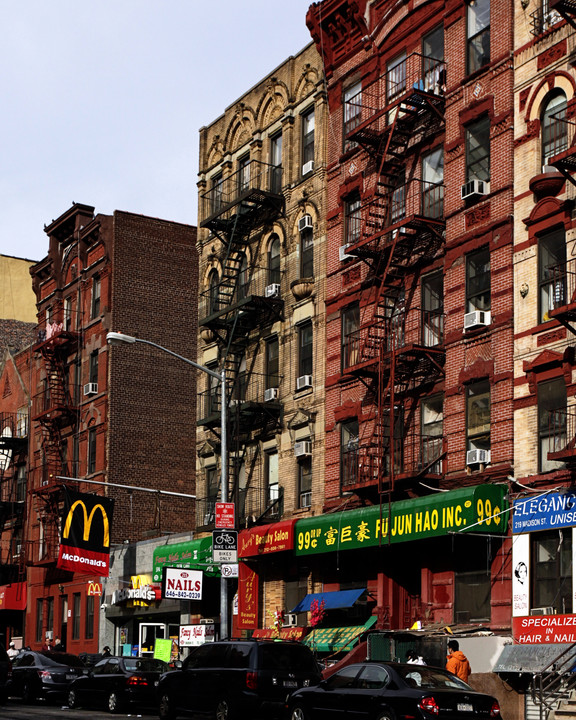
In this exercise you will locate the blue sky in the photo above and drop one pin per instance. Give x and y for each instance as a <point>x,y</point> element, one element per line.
<point>103,99</point>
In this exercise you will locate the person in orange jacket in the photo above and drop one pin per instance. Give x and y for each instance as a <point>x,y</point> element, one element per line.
<point>457,662</point>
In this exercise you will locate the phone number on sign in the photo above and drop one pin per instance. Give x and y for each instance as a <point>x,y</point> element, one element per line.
<point>185,594</point>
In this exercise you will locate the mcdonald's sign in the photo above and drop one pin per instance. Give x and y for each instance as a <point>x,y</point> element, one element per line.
<point>85,539</point>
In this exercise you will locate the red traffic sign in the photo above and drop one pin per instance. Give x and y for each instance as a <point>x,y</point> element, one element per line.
<point>225,515</point>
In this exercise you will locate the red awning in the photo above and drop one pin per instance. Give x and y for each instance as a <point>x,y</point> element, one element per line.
<point>287,633</point>
<point>264,539</point>
<point>13,597</point>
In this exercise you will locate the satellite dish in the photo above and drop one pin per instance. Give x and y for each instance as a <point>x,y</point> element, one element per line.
<point>5,453</point>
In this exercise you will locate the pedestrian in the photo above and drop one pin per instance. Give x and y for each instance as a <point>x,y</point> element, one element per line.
<point>107,652</point>
<point>12,652</point>
<point>457,662</point>
<point>58,645</point>
<point>47,647</point>
<point>412,658</point>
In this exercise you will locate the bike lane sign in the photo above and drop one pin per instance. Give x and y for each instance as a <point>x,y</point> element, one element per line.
<point>225,546</point>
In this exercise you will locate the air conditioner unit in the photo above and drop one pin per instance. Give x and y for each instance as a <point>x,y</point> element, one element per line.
<point>304,381</point>
<point>342,254</point>
<point>303,448</point>
<point>476,318</point>
<point>475,187</point>
<point>308,167</point>
<point>477,457</point>
<point>290,620</point>
<point>91,389</point>
<point>272,290</point>
<point>542,611</point>
<point>305,222</point>
<point>270,394</point>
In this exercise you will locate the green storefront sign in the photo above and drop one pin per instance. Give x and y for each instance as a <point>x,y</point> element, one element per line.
<point>478,509</point>
<point>194,554</point>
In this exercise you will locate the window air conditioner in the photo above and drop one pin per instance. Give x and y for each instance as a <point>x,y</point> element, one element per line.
<point>305,222</point>
<point>542,611</point>
<point>304,381</point>
<point>270,394</point>
<point>91,389</point>
<point>475,187</point>
<point>308,167</point>
<point>476,318</point>
<point>343,254</point>
<point>272,290</point>
<point>303,448</point>
<point>290,620</point>
<point>477,457</point>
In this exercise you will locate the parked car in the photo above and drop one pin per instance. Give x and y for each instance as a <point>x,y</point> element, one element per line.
<point>237,679</point>
<point>384,691</point>
<point>5,673</point>
<point>43,674</point>
<point>116,682</point>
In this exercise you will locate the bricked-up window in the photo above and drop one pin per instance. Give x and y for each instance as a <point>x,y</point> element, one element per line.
<point>243,173</point>
<point>352,111</point>
<point>478,150</point>
<point>274,260</point>
<point>49,607</point>
<point>89,627</point>
<point>307,253</point>
<point>350,349</point>
<point>349,437</point>
<point>305,482</point>
<point>478,281</point>
<point>76,613</point>
<point>272,363</point>
<point>432,61</point>
<point>352,218</point>
<point>91,467</point>
<point>551,577</point>
<point>554,127</point>
<point>551,422</point>
<point>21,483</point>
<point>93,368</point>
<point>276,162</point>
<point>551,272</point>
<point>478,416</point>
<point>95,308</point>
<point>308,127</point>
<point>305,349</point>
<point>478,34</point>
<point>39,619</point>
<point>272,487</point>
<point>432,424</point>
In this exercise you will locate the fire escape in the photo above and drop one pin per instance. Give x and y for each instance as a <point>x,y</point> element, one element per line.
<point>246,298</point>
<point>13,457</point>
<point>54,409</point>
<point>397,349</point>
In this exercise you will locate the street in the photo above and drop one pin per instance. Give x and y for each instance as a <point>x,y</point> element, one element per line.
<point>16,710</point>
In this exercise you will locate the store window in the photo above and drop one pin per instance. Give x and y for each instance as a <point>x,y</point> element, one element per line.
<point>472,581</point>
<point>551,272</point>
<point>552,436</point>
<point>551,553</point>
<point>478,34</point>
<point>49,609</point>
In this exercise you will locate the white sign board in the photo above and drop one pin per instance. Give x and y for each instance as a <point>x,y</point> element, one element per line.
<point>225,546</point>
<point>230,571</point>
<point>192,635</point>
<point>182,584</point>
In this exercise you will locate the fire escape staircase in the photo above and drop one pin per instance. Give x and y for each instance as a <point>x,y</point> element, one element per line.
<point>553,688</point>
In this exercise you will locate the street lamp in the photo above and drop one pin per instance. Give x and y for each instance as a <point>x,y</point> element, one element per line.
<point>116,338</point>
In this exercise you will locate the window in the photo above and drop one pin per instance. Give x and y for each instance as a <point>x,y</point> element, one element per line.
<point>307,253</point>
<point>89,628</point>
<point>554,127</point>
<point>398,201</point>
<point>478,281</point>
<point>242,276</point>
<point>272,363</point>
<point>93,367</point>
<point>216,193</point>
<point>272,487</point>
<point>478,34</point>
<point>478,150</point>
<point>433,61</point>
<point>478,416</point>
<point>432,310</point>
<point>432,422</point>
<point>274,260</point>
<point>349,436</point>
<point>551,552</point>
<point>49,614</point>
<point>212,488</point>
<point>240,478</point>
<point>551,422</point>
<point>353,219</point>
<point>308,126</point>
<point>213,289</point>
<point>551,272</point>
<point>95,310</point>
<point>305,355</point>
<point>352,108</point>
<point>39,619</point>
<point>276,162</point>
<point>91,451</point>
<point>432,183</point>
<point>75,456</point>
<point>244,173</point>
<point>396,77</point>
<point>350,350</point>
<point>68,313</point>
<point>213,395</point>
<point>22,421</point>
<point>472,583</point>
<point>241,384</point>
<point>305,482</point>
<point>21,483</point>
<point>76,612</point>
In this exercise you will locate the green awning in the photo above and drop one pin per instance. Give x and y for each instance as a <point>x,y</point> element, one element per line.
<point>194,554</point>
<point>339,639</point>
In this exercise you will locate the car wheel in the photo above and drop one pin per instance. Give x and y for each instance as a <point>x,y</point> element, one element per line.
<point>223,710</point>
<point>114,702</point>
<point>297,713</point>
<point>384,716</point>
<point>28,694</point>
<point>72,699</point>
<point>165,709</point>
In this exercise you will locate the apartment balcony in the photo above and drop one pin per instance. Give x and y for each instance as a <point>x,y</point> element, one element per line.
<point>560,442</point>
<point>559,291</point>
<point>58,333</point>
<point>56,406</point>
<point>560,144</point>
<point>13,431</point>
<point>243,201</point>
<point>543,19</point>
<point>566,8</point>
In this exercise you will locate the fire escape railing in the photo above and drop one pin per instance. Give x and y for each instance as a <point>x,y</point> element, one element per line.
<point>555,680</point>
<point>542,19</point>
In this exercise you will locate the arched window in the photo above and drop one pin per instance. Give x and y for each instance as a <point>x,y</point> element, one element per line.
<point>274,260</point>
<point>213,282</point>
<point>554,127</point>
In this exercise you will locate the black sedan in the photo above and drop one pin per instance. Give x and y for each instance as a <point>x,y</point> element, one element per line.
<point>115,682</point>
<point>43,674</point>
<point>391,691</point>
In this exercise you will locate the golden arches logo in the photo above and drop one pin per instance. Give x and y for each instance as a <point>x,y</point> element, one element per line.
<point>88,522</point>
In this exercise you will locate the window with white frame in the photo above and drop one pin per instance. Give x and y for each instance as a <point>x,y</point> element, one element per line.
<point>308,127</point>
<point>305,482</point>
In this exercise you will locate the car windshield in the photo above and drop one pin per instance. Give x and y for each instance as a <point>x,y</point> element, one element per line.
<point>47,658</point>
<point>294,658</point>
<point>429,678</point>
<point>145,665</point>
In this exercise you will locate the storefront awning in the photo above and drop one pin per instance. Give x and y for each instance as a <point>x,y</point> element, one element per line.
<point>287,633</point>
<point>13,596</point>
<point>194,554</point>
<point>528,658</point>
<point>332,600</point>
<point>339,639</point>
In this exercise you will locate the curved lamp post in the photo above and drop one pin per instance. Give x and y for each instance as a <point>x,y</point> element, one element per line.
<point>117,338</point>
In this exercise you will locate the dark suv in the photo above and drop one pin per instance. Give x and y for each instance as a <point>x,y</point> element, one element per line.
<point>237,679</point>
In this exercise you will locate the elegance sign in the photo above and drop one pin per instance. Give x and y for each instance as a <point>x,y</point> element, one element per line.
<point>545,512</point>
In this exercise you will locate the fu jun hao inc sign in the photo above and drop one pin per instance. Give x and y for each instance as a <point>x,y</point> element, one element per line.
<point>182,584</point>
